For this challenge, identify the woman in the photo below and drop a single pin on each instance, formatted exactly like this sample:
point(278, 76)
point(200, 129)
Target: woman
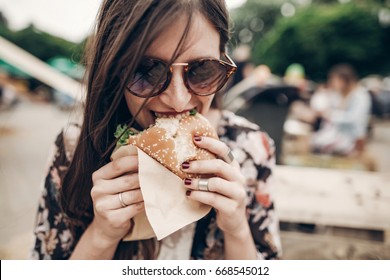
point(148, 57)
point(344, 124)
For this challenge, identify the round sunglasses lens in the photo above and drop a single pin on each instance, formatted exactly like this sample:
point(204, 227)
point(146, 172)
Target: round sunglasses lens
point(206, 77)
point(149, 76)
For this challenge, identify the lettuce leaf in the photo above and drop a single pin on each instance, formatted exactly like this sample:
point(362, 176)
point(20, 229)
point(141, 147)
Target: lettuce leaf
point(123, 132)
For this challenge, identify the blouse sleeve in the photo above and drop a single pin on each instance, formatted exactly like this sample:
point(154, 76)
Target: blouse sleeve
point(262, 218)
point(53, 238)
point(254, 150)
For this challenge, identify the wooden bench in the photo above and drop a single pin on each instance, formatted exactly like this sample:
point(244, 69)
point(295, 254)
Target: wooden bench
point(343, 198)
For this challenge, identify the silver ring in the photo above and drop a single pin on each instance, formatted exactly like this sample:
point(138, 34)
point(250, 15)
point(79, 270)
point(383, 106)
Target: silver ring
point(203, 185)
point(121, 200)
point(229, 157)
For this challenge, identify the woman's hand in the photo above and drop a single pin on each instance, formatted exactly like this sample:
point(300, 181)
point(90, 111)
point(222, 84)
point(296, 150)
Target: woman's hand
point(226, 192)
point(112, 220)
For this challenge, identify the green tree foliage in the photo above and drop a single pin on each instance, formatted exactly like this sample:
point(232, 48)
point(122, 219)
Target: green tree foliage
point(41, 44)
point(253, 20)
point(3, 20)
point(320, 36)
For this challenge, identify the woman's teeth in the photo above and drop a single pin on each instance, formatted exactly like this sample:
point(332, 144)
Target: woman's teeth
point(176, 116)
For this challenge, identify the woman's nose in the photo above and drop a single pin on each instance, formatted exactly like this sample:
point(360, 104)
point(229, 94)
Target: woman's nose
point(177, 95)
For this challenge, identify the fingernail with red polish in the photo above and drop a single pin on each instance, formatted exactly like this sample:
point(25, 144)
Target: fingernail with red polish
point(188, 192)
point(185, 165)
point(187, 181)
point(198, 138)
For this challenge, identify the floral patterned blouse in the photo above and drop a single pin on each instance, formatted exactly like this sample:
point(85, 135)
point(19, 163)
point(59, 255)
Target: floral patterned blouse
point(254, 151)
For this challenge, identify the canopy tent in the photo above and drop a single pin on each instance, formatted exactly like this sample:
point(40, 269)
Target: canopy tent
point(12, 70)
point(40, 70)
point(67, 67)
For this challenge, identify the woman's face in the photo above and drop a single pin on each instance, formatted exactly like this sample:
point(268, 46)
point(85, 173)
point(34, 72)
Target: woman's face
point(202, 42)
point(336, 83)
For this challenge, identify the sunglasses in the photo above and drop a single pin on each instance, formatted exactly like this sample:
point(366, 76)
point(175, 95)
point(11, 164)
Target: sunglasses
point(201, 77)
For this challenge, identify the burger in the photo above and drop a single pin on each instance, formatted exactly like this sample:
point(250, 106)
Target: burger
point(170, 140)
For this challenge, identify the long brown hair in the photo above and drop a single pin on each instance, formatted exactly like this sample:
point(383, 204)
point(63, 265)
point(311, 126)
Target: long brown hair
point(125, 29)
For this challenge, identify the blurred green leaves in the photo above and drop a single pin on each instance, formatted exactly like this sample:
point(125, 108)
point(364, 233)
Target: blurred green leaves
point(256, 18)
point(41, 44)
point(320, 35)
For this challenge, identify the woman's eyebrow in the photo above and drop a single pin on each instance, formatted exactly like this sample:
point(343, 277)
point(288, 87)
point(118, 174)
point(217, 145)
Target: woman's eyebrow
point(201, 57)
point(156, 58)
point(195, 58)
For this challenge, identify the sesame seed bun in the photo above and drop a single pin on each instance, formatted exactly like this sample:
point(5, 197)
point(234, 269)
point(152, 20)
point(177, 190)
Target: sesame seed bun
point(170, 141)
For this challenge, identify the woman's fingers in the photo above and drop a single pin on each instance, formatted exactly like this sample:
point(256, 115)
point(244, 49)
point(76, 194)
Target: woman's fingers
point(110, 202)
point(218, 185)
point(127, 212)
point(116, 196)
point(224, 190)
point(223, 204)
point(116, 168)
point(220, 149)
point(121, 184)
point(130, 197)
point(228, 198)
point(214, 166)
point(121, 217)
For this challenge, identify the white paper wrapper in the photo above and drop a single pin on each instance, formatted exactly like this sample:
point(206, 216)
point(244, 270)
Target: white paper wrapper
point(167, 207)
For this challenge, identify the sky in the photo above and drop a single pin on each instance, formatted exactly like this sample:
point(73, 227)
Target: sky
point(70, 19)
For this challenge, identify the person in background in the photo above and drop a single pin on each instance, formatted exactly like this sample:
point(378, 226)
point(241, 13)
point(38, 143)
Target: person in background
point(295, 76)
point(150, 57)
point(245, 67)
point(8, 94)
point(344, 124)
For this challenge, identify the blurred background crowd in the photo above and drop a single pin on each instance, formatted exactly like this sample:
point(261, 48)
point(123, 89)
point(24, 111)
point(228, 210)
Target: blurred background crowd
point(314, 74)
